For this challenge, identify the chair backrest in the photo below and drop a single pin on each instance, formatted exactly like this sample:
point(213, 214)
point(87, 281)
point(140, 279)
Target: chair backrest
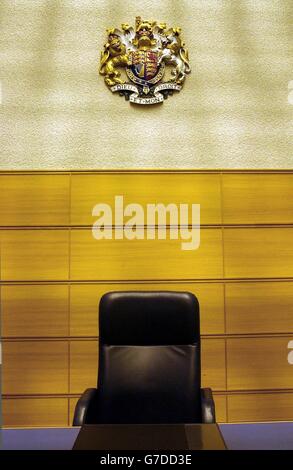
point(149, 358)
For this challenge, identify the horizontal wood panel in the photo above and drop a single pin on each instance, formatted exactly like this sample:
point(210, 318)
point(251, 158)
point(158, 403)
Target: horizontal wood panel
point(260, 307)
point(258, 364)
point(257, 199)
point(34, 199)
point(84, 302)
point(34, 255)
point(213, 364)
point(72, 405)
point(35, 310)
point(258, 252)
point(221, 408)
point(83, 365)
point(144, 259)
point(43, 411)
point(260, 407)
point(35, 412)
point(220, 405)
point(89, 190)
point(32, 367)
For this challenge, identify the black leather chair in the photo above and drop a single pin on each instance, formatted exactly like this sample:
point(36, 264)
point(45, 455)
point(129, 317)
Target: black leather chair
point(149, 362)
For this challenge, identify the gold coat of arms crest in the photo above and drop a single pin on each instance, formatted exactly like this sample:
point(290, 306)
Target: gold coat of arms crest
point(143, 54)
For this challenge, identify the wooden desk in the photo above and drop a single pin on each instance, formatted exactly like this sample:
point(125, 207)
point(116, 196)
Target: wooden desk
point(150, 437)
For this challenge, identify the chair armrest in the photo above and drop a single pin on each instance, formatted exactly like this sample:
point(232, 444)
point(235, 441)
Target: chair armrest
point(82, 406)
point(208, 412)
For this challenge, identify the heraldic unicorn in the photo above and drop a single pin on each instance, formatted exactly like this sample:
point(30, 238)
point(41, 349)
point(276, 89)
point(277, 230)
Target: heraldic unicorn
point(144, 53)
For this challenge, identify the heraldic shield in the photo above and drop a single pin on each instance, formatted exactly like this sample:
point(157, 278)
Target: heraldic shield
point(144, 53)
point(144, 64)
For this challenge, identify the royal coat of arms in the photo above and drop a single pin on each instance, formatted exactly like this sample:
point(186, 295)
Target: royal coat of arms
point(144, 54)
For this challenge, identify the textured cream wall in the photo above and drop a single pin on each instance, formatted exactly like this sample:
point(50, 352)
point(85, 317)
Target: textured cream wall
point(233, 112)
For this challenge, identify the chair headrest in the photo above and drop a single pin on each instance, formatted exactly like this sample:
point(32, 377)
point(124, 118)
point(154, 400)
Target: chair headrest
point(149, 318)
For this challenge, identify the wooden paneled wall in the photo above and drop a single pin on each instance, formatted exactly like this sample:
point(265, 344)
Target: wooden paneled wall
point(53, 273)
